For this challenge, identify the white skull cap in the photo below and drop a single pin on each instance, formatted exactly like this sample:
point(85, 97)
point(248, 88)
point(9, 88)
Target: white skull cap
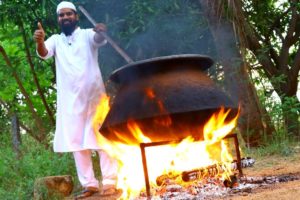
point(65, 4)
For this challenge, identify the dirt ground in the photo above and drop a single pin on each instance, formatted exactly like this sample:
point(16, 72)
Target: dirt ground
point(274, 166)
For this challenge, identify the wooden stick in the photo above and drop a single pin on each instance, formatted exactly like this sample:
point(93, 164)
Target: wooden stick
point(207, 171)
point(109, 40)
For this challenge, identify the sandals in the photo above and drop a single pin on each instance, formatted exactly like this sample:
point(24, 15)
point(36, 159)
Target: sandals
point(109, 190)
point(87, 192)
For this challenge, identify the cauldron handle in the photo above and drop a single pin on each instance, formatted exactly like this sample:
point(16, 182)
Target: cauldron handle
point(109, 40)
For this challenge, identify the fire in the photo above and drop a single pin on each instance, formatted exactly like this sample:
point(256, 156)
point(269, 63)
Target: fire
point(101, 112)
point(166, 159)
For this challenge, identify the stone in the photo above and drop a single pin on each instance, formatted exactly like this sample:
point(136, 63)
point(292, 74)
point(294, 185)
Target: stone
point(53, 187)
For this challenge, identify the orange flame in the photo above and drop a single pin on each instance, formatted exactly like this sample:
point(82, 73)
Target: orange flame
point(173, 158)
point(101, 112)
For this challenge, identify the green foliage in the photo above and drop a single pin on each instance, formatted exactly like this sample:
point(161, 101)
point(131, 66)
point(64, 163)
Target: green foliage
point(263, 12)
point(45, 194)
point(18, 175)
point(278, 107)
point(274, 30)
point(4, 120)
point(18, 22)
point(29, 11)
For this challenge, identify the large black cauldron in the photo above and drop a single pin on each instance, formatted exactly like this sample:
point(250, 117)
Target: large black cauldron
point(169, 97)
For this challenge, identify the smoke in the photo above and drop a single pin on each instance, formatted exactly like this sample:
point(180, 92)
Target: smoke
point(148, 29)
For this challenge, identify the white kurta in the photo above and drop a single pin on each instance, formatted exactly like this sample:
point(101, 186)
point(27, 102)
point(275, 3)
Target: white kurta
point(79, 87)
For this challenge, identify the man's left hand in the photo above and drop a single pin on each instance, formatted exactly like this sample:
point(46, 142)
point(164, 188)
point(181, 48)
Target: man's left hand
point(100, 28)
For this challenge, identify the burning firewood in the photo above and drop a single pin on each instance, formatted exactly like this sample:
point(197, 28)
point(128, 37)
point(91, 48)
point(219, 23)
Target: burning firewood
point(209, 171)
point(231, 182)
point(214, 170)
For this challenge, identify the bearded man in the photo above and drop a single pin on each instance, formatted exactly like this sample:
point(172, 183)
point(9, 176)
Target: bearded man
point(79, 88)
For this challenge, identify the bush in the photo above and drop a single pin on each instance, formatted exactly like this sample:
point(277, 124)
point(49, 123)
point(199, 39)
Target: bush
point(18, 175)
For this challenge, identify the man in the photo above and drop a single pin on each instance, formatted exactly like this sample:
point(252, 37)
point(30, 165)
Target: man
point(79, 88)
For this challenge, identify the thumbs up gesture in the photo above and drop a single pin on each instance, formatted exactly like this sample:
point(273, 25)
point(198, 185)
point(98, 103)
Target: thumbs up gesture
point(39, 34)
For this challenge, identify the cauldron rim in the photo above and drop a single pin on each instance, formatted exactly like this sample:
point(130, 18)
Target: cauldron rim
point(202, 61)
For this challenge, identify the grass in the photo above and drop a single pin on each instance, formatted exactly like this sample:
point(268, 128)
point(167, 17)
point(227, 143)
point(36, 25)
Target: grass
point(275, 146)
point(18, 175)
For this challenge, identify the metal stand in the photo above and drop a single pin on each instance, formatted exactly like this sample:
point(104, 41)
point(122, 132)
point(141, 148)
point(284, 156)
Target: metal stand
point(144, 159)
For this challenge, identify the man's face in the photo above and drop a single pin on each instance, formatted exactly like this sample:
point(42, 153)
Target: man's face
point(67, 20)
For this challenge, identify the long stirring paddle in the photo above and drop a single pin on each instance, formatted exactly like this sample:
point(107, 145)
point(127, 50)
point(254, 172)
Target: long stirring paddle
point(109, 40)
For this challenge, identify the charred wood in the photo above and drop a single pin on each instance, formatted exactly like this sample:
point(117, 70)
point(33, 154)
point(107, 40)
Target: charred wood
point(208, 171)
point(268, 179)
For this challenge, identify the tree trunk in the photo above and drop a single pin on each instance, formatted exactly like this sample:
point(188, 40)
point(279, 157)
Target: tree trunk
point(16, 136)
point(237, 81)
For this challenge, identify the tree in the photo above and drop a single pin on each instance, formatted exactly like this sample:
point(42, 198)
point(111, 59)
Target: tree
point(252, 124)
point(32, 102)
point(270, 32)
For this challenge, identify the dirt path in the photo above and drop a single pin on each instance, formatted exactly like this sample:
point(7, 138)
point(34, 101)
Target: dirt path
point(274, 166)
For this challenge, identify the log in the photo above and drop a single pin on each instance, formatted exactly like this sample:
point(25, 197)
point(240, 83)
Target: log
point(208, 171)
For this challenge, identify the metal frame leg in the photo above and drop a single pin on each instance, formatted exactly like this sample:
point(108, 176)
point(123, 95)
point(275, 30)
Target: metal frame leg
point(237, 150)
point(145, 168)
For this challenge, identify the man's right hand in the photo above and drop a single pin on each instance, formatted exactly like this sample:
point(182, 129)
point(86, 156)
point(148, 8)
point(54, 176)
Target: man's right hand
point(39, 34)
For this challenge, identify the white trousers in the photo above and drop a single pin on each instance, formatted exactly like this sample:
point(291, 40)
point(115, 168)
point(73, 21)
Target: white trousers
point(85, 171)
